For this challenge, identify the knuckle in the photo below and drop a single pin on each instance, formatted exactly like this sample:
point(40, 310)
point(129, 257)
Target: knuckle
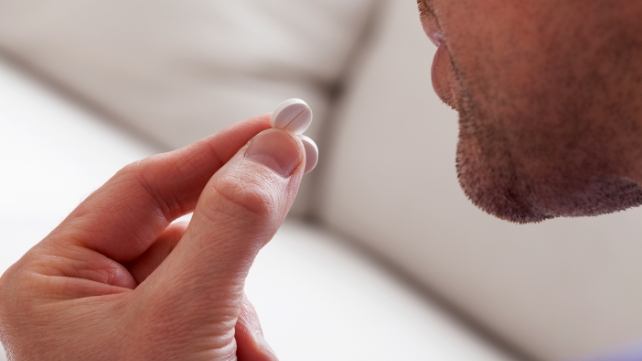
point(250, 197)
point(133, 169)
point(140, 174)
point(3, 298)
point(5, 295)
point(139, 169)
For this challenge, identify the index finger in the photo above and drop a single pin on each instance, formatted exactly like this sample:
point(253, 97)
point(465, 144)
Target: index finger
point(124, 217)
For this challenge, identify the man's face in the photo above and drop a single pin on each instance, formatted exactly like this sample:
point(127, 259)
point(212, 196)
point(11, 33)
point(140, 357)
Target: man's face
point(550, 102)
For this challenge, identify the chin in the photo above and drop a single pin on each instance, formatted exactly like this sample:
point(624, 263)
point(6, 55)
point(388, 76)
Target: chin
point(498, 191)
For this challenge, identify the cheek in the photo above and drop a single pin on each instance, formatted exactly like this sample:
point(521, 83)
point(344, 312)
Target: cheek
point(495, 44)
point(503, 61)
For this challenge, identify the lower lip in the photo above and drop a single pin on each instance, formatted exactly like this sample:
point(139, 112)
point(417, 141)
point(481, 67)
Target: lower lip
point(442, 72)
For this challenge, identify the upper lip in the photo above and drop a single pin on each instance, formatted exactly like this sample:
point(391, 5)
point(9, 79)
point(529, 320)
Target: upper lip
point(431, 26)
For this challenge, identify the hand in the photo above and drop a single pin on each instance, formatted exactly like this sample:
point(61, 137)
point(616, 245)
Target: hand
point(118, 281)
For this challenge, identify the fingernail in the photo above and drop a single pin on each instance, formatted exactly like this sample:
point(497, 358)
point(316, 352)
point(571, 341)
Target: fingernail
point(311, 153)
point(277, 150)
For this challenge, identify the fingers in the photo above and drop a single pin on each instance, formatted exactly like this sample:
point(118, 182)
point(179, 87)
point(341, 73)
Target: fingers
point(240, 209)
point(144, 265)
point(124, 217)
point(251, 344)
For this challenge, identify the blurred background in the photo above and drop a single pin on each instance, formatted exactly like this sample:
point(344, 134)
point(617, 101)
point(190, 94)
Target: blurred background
point(383, 257)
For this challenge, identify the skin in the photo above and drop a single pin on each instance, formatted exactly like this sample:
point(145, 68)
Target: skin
point(118, 281)
point(550, 101)
point(549, 94)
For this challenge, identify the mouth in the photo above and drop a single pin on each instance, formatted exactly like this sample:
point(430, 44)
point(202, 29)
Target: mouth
point(443, 77)
point(442, 69)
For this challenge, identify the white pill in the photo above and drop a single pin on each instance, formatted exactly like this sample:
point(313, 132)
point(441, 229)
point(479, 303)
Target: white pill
point(293, 115)
point(311, 153)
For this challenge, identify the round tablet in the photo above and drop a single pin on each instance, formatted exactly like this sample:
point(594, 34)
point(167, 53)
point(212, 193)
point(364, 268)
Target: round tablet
point(311, 153)
point(293, 115)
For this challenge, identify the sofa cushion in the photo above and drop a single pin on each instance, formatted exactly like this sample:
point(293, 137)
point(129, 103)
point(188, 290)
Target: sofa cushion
point(559, 290)
point(179, 70)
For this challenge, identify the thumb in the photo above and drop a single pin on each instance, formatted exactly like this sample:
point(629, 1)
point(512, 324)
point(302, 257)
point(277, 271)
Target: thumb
point(199, 288)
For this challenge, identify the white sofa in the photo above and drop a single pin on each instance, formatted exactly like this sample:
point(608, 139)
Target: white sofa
point(384, 248)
